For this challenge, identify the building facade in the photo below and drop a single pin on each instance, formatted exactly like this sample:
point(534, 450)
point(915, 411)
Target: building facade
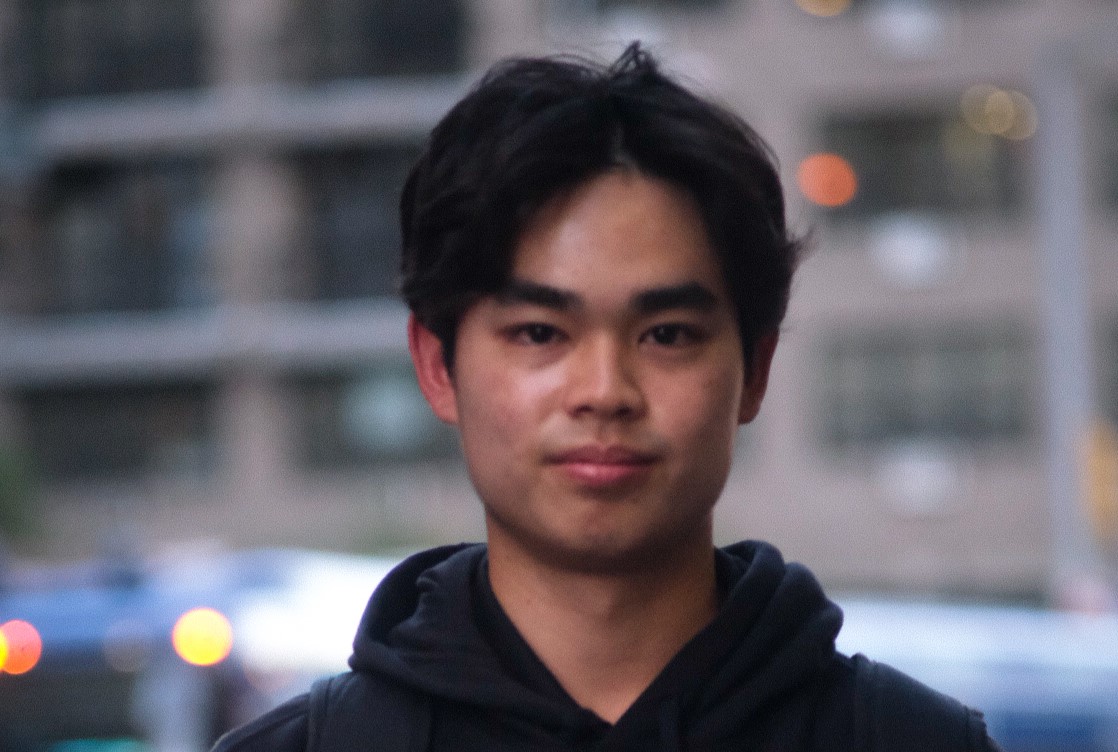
point(199, 337)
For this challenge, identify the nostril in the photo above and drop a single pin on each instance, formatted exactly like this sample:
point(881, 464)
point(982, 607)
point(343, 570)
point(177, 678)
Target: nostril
point(625, 403)
point(602, 381)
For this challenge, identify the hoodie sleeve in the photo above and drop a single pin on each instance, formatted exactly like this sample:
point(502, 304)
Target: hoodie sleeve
point(895, 712)
point(981, 741)
point(283, 729)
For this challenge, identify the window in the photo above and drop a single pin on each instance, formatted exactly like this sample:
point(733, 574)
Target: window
point(1109, 147)
point(925, 163)
point(941, 385)
point(91, 47)
point(631, 16)
point(96, 698)
point(363, 416)
point(931, 5)
point(657, 4)
point(123, 236)
point(351, 235)
point(1107, 358)
point(361, 38)
point(116, 431)
point(17, 257)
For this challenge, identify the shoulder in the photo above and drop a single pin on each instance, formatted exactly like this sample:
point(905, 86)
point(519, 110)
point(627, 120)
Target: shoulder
point(893, 711)
point(283, 729)
point(351, 710)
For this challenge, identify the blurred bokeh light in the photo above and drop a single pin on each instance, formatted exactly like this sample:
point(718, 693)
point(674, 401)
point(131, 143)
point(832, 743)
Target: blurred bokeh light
point(824, 8)
point(1001, 112)
point(202, 637)
point(827, 180)
point(24, 644)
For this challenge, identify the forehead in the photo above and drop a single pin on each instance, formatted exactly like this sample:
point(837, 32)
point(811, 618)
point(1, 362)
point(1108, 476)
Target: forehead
point(620, 231)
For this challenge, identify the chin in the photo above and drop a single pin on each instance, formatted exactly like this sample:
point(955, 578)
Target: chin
point(606, 553)
point(603, 560)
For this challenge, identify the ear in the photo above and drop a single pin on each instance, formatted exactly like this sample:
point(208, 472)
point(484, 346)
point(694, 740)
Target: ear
point(435, 380)
point(757, 377)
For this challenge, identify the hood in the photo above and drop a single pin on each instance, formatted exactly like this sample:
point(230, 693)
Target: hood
point(774, 634)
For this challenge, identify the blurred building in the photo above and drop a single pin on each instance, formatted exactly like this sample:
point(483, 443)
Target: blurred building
point(198, 333)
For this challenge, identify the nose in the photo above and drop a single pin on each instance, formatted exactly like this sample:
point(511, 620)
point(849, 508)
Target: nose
point(602, 381)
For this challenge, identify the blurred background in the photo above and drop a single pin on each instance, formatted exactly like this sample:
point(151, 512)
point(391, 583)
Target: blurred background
point(201, 351)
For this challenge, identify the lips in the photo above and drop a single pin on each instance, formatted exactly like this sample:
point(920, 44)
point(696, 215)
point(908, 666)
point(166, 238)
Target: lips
point(603, 466)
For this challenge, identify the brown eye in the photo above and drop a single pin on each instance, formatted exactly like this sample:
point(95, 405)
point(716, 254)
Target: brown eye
point(537, 334)
point(666, 334)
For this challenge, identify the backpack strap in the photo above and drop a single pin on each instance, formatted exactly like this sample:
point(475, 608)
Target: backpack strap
point(896, 713)
point(360, 711)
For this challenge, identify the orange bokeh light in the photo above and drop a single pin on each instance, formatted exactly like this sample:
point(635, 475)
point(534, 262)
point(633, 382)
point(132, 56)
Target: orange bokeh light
point(202, 636)
point(827, 180)
point(24, 644)
point(824, 8)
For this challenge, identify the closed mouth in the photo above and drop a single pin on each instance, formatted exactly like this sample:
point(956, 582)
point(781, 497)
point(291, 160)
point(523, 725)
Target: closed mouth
point(603, 455)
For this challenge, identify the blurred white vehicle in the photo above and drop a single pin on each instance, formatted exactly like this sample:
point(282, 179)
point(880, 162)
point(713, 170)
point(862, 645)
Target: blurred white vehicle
point(1046, 680)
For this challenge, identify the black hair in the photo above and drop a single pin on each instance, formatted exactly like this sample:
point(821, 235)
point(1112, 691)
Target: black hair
point(535, 128)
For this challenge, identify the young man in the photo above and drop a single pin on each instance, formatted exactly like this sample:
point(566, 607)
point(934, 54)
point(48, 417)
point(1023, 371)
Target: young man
point(597, 265)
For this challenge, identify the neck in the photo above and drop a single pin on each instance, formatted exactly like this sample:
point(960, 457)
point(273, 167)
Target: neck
point(605, 636)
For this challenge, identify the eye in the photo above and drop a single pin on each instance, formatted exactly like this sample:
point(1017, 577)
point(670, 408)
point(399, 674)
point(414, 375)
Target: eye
point(668, 335)
point(535, 334)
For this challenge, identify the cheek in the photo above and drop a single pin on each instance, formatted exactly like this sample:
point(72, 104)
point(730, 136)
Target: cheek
point(706, 411)
point(702, 427)
point(715, 430)
point(501, 411)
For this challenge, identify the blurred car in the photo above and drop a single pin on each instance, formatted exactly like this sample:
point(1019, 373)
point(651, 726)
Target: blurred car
point(168, 654)
point(1046, 680)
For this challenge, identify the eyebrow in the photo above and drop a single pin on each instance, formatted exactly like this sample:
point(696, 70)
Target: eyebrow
point(519, 291)
point(688, 296)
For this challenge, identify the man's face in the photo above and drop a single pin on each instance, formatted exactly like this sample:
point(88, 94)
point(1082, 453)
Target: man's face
point(598, 397)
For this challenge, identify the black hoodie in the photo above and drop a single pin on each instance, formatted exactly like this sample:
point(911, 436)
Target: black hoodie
point(763, 675)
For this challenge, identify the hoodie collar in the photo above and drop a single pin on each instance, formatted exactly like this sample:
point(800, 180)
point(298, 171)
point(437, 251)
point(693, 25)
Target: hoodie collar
point(427, 627)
